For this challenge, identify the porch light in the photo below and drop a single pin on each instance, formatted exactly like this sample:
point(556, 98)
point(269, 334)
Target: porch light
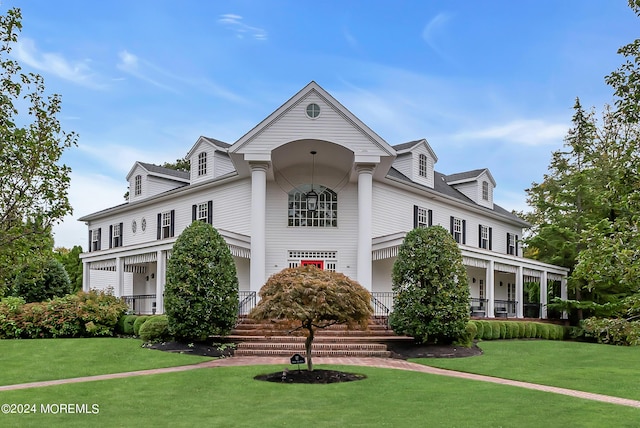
point(311, 196)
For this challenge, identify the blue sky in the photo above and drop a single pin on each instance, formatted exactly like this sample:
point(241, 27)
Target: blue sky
point(487, 83)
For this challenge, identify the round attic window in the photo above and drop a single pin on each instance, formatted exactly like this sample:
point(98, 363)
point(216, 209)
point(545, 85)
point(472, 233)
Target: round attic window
point(313, 110)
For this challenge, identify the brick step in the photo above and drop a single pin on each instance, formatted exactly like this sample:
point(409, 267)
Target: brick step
point(341, 327)
point(318, 339)
point(335, 333)
point(299, 346)
point(314, 353)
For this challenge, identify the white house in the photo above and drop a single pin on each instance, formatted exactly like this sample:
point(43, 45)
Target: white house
point(312, 183)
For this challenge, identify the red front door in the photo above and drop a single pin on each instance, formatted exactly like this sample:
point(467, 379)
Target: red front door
point(317, 263)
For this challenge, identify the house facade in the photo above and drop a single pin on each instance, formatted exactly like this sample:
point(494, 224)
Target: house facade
point(312, 184)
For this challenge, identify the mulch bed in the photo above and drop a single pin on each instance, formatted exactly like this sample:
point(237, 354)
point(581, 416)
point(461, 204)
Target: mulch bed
point(318, 376)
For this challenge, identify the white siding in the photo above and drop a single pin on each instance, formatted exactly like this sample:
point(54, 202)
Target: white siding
point(470, 190)
point(421, 149)
point(157, 185)
point(281, 238)
point(404, 164)
point(210, 151)
point(138, 170)
point(222, 164)
point(330, 125)
point(485, 203)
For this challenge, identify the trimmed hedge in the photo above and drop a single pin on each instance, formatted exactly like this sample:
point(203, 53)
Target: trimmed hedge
point(155, 329)
point(138, 323)
point(493, 330)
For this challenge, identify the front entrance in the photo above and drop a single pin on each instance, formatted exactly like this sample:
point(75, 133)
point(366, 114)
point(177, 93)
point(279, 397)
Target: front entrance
point(317, 263)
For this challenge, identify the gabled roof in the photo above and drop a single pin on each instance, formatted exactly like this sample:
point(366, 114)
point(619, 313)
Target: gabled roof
point(160, 171)
point(409, 146)
point(467, 176)
point(219, 145)
point(443, 188)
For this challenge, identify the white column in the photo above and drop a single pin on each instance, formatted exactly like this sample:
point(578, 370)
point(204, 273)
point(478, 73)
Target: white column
point(365, 218)
point(86, 276)
point(490, 279)
point(258, 224)
point(119, 291)
point(519, 293)
point(543, 294)
point(161, 275)
point(564, 294)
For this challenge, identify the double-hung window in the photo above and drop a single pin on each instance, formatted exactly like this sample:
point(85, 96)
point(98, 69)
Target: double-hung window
point(457, 229)
point(116, 235)
point(423, 165)
point(202, 164)
point(422, 217)
point(95, 239)
point(512, 244)
point(137, 185)
point(202, 212)
point(484, 237)
point(485, 191)
point(166, 222)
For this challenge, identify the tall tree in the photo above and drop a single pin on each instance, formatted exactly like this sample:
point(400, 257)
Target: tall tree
point(34, 185)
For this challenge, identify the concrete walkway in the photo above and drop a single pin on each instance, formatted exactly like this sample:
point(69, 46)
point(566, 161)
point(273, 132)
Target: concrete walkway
point(387, 363)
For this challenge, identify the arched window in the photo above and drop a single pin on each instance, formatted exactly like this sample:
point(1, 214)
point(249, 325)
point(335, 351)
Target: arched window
point(423, 165)
point(326, 215)
point(485, 190)
point(138, 185)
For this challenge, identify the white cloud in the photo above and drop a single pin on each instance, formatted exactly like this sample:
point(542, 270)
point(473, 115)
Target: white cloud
point(435, 31)
point(531, 132)
point(78, 72)
point(143, 70)
point(241, 29)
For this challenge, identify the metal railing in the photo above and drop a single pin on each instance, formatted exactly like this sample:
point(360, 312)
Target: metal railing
point(141, 303)
point(247, 301)
point(531, 310)
point(382, 302)
point(477, 307)
point(505, 308)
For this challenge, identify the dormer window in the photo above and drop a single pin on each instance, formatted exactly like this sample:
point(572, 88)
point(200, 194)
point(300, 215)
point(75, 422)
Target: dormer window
point(485, 190)
point(137, 185)
point(423, 165)
point(202, 164)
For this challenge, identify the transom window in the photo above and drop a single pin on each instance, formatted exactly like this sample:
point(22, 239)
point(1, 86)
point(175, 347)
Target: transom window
point(422, 165)
point(326, 214)
point(166, 224)
point(202, 164)
point(326, 260)
point(138, 185)
point(485, 190)
point(203, 212)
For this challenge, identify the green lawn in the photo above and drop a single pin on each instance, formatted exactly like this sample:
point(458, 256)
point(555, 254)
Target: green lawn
point(603, 369)
point(24, 361)
point(229, 397)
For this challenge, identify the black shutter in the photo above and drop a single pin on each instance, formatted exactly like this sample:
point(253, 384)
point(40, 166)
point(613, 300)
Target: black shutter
point(479, 236)
point(99, 238)
point(430, 212)
point(111, 236)
point(173, 223)
point(515, 244)
point(210, 212)
point(508, 237)
point(121, 234)
point(194, 209)
point(415, 216)
point(490, 237)
point(451, 225)
point(464, 232)
point(90, 236)
point(159, 225)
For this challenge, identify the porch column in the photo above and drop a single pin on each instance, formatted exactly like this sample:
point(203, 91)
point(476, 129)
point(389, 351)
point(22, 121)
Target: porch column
point(161, 275)
point(258, 224)
point(86, 276)
point(519, 293)
point(119, 276)
point(564, 295)
point(365, 202)
point(490, 279)
point(543, 294)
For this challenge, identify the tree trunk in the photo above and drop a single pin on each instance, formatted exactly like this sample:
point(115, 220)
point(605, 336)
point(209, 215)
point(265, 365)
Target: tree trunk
point(307, 345)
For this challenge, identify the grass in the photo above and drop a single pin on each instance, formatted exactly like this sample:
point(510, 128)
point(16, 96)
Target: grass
point(24, 361)
point(230, 397)
point(603, 369)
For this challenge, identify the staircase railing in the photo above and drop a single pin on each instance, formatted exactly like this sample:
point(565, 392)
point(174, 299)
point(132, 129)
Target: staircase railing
point(247, 302)
point(382, 302)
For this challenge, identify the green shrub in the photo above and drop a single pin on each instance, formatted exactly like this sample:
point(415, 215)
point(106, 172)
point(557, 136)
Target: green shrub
point(543, 331)
point(10, 308)
point(495, 328)
point(201, 293)
point(513, 330)
point(613, 331)
point(487, 331)
point(471, 332)
point(530, 330)
point(127, 327)
point(40, 283)
point(155, 329)
point(138, 323)
point(479, 329)
point(522, 329)
point(431, 301)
